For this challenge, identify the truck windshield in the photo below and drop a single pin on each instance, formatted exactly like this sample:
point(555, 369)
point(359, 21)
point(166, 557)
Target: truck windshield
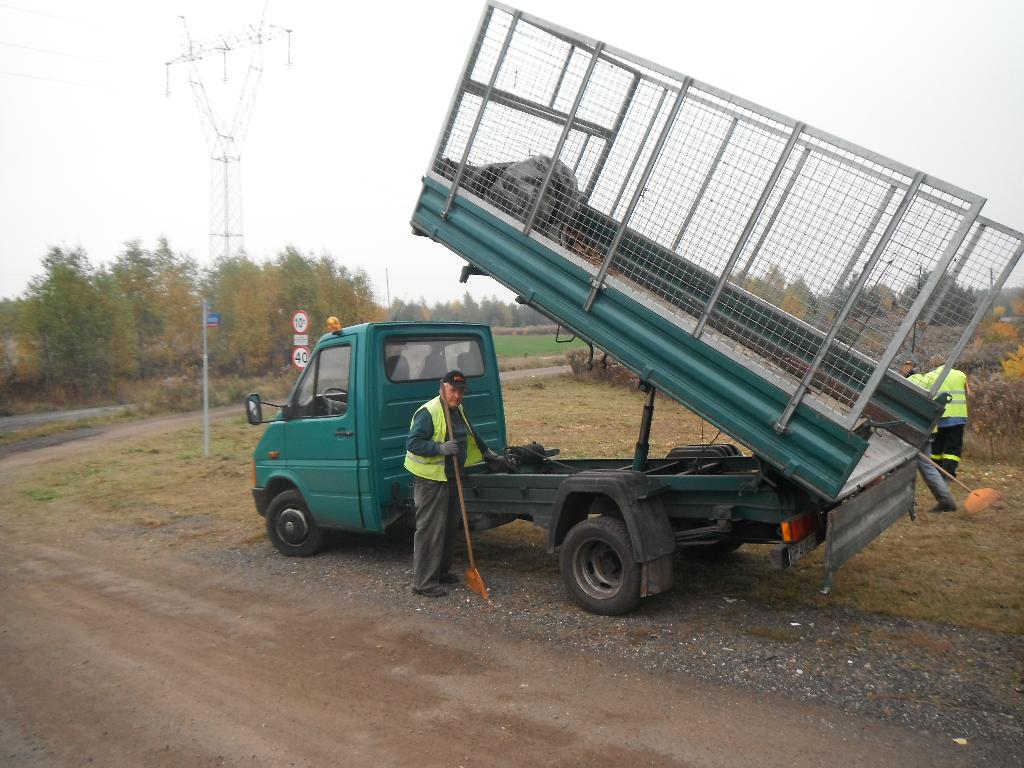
point(420, 358)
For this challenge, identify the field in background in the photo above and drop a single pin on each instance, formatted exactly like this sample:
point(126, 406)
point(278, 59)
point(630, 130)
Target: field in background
point(521, 345)
point(959, 569)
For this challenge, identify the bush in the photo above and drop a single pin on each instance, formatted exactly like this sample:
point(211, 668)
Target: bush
point(996, 412)
point(603, 368)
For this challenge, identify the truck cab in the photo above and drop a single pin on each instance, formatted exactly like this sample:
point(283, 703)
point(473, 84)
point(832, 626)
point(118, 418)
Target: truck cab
point(333, 457)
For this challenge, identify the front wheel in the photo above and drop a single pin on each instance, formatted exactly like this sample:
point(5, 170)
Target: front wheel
point(292, 530)
point(598, 567)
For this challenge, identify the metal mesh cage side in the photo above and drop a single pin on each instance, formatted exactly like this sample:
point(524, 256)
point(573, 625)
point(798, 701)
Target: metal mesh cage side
point(800, 254)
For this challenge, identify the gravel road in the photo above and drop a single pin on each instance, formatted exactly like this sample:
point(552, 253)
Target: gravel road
point(143, 645)
point(937, 681)
point(21, 421)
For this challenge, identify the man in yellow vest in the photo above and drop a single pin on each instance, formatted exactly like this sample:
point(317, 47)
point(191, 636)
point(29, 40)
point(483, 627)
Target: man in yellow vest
point(948, 440)
point(948, 437)
point(430, 457)
point(933, 479)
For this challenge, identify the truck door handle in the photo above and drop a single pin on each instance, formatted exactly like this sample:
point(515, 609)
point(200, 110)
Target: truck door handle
point(343, 433)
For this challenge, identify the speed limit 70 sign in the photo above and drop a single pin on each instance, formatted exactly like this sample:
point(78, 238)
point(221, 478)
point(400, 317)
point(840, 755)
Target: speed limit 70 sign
point(300, 321)
point(300, 357)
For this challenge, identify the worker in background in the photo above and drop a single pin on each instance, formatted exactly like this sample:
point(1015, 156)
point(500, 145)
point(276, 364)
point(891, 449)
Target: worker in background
point(430, 457)
point(932, 477)
point(948, 439)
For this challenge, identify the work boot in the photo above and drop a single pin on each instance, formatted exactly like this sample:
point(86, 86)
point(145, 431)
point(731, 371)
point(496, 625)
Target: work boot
point(434, 591)
point(942, 507)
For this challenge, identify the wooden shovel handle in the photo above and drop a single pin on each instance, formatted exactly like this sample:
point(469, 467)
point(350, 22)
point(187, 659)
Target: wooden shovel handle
point(952, 477)
point(458, 478)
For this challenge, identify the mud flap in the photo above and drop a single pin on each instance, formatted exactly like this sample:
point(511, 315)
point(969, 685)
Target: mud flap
point(656, 575)
point(857, 522)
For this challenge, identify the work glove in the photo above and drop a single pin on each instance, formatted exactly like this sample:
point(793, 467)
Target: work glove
point(496, 463)
point(449, 448)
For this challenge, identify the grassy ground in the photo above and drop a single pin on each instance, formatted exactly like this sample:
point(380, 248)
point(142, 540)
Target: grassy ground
point(960, 569)
point(510, 345)
point(57, 427)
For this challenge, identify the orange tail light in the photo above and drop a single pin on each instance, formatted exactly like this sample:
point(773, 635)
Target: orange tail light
point(798, 528)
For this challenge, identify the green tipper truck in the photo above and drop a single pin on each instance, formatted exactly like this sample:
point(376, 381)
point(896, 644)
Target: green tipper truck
point(333, 460)
point(764, 273)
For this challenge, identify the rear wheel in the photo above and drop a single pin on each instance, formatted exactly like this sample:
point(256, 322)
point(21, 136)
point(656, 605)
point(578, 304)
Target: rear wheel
point(292, 530)
point(598, 567)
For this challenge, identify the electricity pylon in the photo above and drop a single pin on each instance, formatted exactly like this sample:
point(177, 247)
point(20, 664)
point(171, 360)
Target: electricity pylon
point(225, 128)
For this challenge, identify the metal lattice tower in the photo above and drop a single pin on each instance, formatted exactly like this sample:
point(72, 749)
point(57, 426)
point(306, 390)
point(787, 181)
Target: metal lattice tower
point(225, 125)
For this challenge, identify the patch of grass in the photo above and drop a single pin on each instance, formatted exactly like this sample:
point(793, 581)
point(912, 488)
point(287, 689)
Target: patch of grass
point(42, 494)
point(59, 427)
point(165, 395)
point(595, 419)
point(509, 345)
point(535, 361)
point(954, 568)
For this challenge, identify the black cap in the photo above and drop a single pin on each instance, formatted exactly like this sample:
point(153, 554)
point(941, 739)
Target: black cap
point(455, 378)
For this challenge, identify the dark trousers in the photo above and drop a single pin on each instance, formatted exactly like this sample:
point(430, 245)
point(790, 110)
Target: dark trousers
point(947, 446)
point(437, 526)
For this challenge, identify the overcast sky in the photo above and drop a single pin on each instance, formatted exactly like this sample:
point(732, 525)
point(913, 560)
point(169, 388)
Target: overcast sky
point(93, 154)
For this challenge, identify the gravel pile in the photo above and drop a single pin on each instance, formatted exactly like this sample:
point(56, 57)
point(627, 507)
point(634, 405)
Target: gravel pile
point(940, 680)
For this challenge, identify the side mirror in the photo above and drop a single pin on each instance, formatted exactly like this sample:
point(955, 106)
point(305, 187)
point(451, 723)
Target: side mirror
point(254, 409)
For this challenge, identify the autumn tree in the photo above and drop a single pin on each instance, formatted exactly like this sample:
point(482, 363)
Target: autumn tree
point(64, 330)
point(256, 302)
point(155, 317)
point(1013, 365)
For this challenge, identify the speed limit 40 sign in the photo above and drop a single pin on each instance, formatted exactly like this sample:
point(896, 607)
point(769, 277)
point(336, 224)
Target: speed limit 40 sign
point(300, 357)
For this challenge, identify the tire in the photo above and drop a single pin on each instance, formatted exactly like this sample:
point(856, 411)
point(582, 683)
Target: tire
point(598, 567)
point(292, 530)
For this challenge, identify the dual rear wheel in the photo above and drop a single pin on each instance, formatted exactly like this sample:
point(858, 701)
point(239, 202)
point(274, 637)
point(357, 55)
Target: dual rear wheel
point(598, 566)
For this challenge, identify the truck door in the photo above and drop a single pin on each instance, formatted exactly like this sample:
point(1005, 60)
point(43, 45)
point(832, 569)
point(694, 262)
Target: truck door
point(322, 443)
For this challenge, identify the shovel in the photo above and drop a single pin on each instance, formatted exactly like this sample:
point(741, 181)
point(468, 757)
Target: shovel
point(978, 500)
point(473, 578)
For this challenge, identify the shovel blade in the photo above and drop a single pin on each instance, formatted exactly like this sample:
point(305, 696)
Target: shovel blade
point(476, 583)
point(981, 499)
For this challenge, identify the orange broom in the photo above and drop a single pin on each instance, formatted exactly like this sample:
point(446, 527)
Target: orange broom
point(977, 500)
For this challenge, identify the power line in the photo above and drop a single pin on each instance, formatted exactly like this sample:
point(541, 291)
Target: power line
point(41, 13)
point(55, 53)
point(53, 80)
point(225, 132)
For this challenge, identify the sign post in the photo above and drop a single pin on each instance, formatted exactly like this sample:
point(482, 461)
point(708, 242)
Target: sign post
point(210, 320)
point(300, 341)
point(206, 384)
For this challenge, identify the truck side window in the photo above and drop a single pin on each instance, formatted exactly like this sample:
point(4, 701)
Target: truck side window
point(324, 388)
point(422, 359)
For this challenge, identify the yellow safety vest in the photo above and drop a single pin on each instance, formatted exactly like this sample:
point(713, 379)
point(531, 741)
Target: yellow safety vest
point(432, 467)
point(955, 384)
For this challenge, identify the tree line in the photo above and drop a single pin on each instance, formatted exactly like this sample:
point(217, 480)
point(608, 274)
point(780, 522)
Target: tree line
point(489, 311)
point(81, 329)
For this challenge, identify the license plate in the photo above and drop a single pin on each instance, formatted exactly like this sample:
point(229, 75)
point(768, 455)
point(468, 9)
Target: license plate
point(801, 549)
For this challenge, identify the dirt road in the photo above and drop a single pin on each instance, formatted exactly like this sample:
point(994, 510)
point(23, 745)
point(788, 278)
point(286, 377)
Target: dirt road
point(130, 652)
